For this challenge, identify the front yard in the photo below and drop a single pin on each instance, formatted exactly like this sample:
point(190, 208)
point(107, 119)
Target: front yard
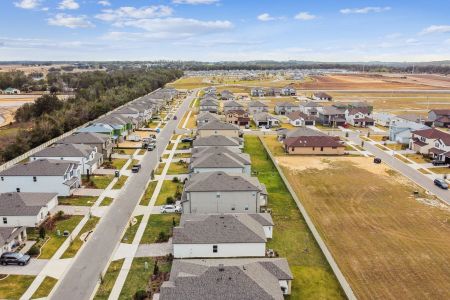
point(115, 163)
point(97, 181)
point(159, 228)
point(179, 167)
point(14, 286)
point(77, 200)
point(169, 189)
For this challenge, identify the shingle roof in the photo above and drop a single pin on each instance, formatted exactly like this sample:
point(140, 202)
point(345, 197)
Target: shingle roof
point(216, 140)
point(311, 104)
point(256, 104)
point(286, 104)
point(303, 131)
point(218, 229)
point(433, 133)
point(7, 234)
point(23, 204)
point(84, 138)
point(219, 157)
point(262, 117)
point(208, 102)
point(226, 279)
point(220, 181)
point(312, 141)
point(441, 112)
point(364, 110)
point(65, 150)
point(232, 103)
point(331, 110)
point(299, 115)
point(206, 115)
point(217, 125)
point(40, 167)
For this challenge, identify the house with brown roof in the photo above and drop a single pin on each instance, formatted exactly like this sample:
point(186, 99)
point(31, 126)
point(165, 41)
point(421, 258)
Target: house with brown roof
point(313, 145)
point(298, 119)
point(322, 96)
point(439, 117)
point(432, 142)
point(238, 117)
point(332, 116)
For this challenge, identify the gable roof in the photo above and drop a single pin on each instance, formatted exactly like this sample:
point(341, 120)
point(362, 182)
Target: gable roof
point(40, 167)
point(303, 131)
point(262, 117)
point(84, 138)
point(312, 141)
point(286, 104)
point(299, 115)
point(221, 181)
point(331, 110)
point(322, 95)
point(219, 157)
point(216, 140)
point(354, 111)
point(7, 234)
point(441, 112)
point(217, 125)
point(256, 104)
point(232, 103)
point(206, 115)
point(310, 104)
point(208, 102)
point(433, 133)
point(65, 150)
point(24, 204)
point(215, 228)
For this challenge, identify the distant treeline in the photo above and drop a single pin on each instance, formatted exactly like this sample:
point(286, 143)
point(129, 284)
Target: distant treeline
point(21, 81)
point(96, 93)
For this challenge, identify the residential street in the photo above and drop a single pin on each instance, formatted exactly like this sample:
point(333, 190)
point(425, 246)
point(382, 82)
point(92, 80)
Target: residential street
point(80, 280)
point(403, 168)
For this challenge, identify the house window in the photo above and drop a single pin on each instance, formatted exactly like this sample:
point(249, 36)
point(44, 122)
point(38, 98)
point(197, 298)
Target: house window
point(321, 148)
point(34, 179)
point(215, 248)
point(246, 207)
point(18, 190)
point(218, 195)
point(233, 208)
point(3, 179)
point(5, 220)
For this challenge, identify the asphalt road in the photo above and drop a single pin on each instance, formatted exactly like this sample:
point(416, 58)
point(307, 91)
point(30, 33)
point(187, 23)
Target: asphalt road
point(404, 169)
point(80, 280)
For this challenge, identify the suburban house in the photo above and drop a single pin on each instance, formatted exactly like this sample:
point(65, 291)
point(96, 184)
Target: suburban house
point(288, 91)
point(331, 116)
point(237, 117)
point(232, 143)
point(232, 105)
point(400, 130)
point(42, 176)
point(298, 118)
point(86, 155)
point(11, 91)
point(257, 92)
point(133, 115)
point(226, 95)
point(102, 142)
point(26, 209)
point(265, 120)
point(11, 238)
point(225, 279)
point(209, 105)
point(408, 118)
point(313, 145)
point(218, 128)
point(274, 92)
point(211, 159)
point(432, 142)
point(257, 107)
point(310, 108)
point(359, 117)
point(321, 96)
point(383, 118)
point(219, 192)
point(298, 132)
point(439, 117)
point(100, 128)
point(284, 108)
point(219, 235)
point(120, 126)
point(205, 117)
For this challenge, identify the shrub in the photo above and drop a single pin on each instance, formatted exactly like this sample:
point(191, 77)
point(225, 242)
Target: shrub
point(59, 215)
point(140, 295)
point(170, 200)
point(33, 251)
point(42, 232)
point(162, 237)
point(175, 179)
point(156, 268)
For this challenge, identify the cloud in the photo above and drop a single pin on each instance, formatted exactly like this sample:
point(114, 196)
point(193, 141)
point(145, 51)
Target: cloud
point(365, 10)
point(68, 4)
point(265, 17)
point(28, 4)
point(129, 13)
point(65, 20)
point(104, 3)
point(195, 2)
point(435, 29)
point(304, 16)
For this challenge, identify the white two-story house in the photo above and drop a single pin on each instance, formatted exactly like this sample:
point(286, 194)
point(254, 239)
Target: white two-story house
point(432, 142)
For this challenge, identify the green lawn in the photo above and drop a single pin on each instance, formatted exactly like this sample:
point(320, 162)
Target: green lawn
point(55, 241)
point(138, 277)
point(440, 170)
point(145, 200)
point(109, 279)
point(121, 182)
point(45, 288)
point(142, 152)
point(313, 277)
point(77, 242)
point(77, 200)
point(182, 155)
point(13, 286)
point(133, 162)
point(157, 224)
point(168, 189)
point(125, 151)
point(106, 201)
point(170, 146)
point(183, 146)
point(178, 167)
point(118, 163)
point(131, 231)
point(97, 181)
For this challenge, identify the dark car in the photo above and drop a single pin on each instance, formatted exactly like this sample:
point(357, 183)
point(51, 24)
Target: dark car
point(377, 160)
point(438, 163)
point(136, 168)
point(187, 140)
point(441, 183)
point(12, 258)
point(175, 118)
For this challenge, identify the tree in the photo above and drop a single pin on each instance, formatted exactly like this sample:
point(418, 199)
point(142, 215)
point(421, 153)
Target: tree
point(42, 232)
point(156, 268)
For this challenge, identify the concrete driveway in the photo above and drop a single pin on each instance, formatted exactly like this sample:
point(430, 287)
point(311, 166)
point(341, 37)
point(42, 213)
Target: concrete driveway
point(34, 267)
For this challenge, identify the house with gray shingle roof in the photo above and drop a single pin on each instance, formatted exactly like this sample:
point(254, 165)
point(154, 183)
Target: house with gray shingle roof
point(210, 105)
point(86, 155)
point(26, 209)
point(265, 120)
point(219, 192)
point(257, 107)
point(102, 142)
point(232, 105)
point(283, 108)
point(218, 128)
point(206, 117)
point(219, 235)
point(213, 159)
point(11, 238)
point(232, 143)
point(228, 279)
point(42, 176)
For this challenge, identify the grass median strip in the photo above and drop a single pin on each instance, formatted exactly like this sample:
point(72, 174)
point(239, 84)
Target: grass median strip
point(109, 280)
point(14, 286)
point(145, 200)
point(313, 277)
point(121, 182)
point(131, 230)
point(45, 288)
point(106, 201)
point(78, 241)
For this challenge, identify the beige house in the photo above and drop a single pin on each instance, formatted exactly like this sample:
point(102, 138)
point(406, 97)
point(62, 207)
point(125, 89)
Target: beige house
point(313, 145)
point(218, 128)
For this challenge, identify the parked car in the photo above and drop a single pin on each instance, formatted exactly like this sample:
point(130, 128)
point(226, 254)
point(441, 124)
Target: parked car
point(12, 258)
point(441, 183)
point(151, 147)
point(187, 140)
point(377, 160)
point(175, 117)
point(438, 163)
point(136, 168)
point(170, 209)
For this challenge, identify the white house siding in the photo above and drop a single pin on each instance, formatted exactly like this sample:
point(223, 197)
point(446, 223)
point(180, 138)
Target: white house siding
point(43, 184)
point(208, 202)
point(81, 160)
point(268, 231)
point(223, 250)
point(27, 221)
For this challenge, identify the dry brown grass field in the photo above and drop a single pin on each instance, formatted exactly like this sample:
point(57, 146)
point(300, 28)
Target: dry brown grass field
point(388, 244)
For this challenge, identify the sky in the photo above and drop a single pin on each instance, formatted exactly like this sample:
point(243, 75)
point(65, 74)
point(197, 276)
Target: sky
point(225, 30)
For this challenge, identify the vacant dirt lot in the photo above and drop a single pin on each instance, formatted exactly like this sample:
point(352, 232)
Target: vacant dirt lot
point(388, 244)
